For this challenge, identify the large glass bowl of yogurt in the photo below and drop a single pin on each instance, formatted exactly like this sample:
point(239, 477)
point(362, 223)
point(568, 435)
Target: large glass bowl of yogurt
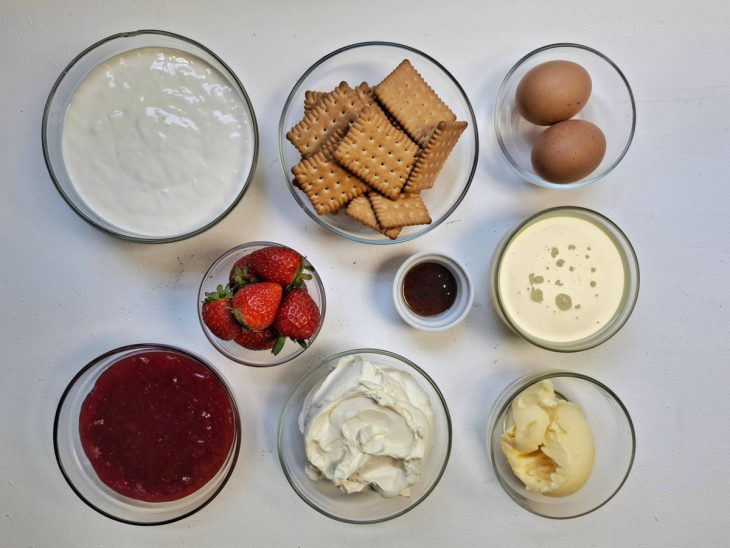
point(365, 436)
point(150, 136)
point(147, 434)
point(565, 279)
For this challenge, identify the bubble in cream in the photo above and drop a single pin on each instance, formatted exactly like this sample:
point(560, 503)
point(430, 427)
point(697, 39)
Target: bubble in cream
point(563, 301)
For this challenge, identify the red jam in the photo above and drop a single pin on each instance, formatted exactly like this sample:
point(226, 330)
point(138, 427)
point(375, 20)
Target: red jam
point(157, 426)
point(429, 289)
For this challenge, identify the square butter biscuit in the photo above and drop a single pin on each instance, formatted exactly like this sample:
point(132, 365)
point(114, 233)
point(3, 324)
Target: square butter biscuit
point(361, 210)
point(327, 185)
point(333, 112)
point(377, 152)
point(412, 102)
point(406, 210)
point(434, 155)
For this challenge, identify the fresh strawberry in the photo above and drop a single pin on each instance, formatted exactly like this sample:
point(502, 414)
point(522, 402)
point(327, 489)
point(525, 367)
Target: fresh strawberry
point(217, 314)
point(257, 340)
point(298, 316)
point(255, 305)
point(281, 265)
point(242, 273)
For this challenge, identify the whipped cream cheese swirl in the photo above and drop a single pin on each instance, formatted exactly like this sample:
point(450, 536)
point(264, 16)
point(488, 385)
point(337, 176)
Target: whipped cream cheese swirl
point(367, 425)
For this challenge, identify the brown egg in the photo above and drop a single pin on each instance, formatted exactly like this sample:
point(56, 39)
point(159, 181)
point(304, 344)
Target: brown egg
point(552, 92)
point(568, 151)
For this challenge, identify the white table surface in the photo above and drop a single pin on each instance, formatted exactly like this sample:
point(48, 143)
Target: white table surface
point(70, 292)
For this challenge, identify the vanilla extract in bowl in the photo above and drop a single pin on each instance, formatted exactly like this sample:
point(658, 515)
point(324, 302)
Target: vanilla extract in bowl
point(429, 288)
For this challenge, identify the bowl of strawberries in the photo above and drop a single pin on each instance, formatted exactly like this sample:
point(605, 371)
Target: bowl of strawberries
point(261, 304)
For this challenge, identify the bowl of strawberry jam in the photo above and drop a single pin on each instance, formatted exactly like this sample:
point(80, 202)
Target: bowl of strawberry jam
point(147, 434)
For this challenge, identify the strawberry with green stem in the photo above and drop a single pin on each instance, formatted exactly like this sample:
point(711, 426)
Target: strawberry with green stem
point(217, 314)
point(257, 340)
point(255, 305)
point(298, 318)
point(281, 265)
point(242, 273)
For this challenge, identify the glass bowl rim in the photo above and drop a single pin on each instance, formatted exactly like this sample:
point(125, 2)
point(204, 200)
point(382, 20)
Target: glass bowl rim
point(312, 214)
point(154, 346)
point(503, 147)
point(530, 379)
point(137, 239)
point(214, 342)
point(313, 372)
point(628, 307)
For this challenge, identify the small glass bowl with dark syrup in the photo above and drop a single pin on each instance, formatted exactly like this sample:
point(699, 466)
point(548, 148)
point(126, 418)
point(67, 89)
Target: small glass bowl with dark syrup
point(432, 291)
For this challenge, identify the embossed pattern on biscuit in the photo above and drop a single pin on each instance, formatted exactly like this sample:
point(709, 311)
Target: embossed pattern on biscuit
point(327, 185)
point(333, 112)
point(412, 102)
point(406, 210)
point(332, 142)
point(434, 155)
point(361, 210)
point(377, 152)
point(327, 152)
point(367, 96)
point(311, 98)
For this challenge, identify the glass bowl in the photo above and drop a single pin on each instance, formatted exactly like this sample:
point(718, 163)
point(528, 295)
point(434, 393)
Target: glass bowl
point(66, 86)
point(580, 337)
point(79, 472)
point(613, 434)
point(611, 107)
point(367, 506)
point(218, 274)
point(371, 62)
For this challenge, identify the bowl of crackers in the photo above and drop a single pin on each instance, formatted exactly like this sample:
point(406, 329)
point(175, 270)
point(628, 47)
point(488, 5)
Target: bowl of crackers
point(378, 142)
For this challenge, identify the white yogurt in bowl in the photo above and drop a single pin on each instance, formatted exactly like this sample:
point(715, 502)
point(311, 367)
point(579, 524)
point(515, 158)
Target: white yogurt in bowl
point(151, 143)
point(565, 279)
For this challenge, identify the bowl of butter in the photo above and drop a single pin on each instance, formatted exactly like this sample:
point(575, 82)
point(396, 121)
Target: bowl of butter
point(562, 444)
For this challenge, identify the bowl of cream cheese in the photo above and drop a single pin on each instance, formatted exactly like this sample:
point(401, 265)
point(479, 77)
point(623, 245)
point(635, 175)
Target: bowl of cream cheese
point(561, 444)
point(150, 136)
point(365, 436)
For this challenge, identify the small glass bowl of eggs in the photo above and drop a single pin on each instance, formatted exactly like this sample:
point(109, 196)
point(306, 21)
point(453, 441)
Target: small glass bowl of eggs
point(565, 116)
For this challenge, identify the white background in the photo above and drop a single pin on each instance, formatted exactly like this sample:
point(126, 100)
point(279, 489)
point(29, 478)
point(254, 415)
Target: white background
point(70, 292)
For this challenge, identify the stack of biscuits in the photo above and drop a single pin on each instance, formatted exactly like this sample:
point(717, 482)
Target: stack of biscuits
point(372, 150)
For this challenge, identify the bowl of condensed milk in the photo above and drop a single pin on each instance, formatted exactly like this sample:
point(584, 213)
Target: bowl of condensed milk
point(150, 136)
point(565, 279)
